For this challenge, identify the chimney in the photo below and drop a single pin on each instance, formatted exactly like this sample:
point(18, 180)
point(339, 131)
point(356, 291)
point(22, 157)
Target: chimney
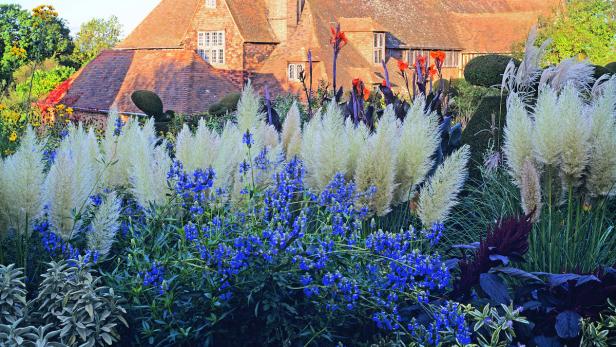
point(278, 17)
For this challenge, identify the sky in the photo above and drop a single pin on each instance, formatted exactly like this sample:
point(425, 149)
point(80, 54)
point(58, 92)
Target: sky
point(76, 12)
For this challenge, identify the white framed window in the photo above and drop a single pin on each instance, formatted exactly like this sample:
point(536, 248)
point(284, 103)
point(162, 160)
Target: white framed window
point(293, 71)
point(379, 47)
point(210, 3)
point(452, 58)
point(211, 46)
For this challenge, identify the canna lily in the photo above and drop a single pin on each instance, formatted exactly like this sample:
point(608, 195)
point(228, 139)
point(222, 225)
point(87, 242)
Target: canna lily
point(432, 71)
point(402, 66)
point(338, 40)
point(338, 37)
point(438, 56)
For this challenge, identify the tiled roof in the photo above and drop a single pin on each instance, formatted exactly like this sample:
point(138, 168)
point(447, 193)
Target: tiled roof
point(363, 24)
point(164, 27)
point(184, 81)
point(251, 20)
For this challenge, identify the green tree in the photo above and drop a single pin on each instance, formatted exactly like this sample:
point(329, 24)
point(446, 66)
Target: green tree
point(95, 36)
point(26, 37)
point(582, 28)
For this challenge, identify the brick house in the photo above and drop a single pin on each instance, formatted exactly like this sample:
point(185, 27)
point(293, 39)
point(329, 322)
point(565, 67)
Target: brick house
point(192, 52)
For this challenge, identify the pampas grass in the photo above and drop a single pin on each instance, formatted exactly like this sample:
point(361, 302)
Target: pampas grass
point(72, 179)
point(530, 190)
point(376, 165)
point(248, 107)
point(149, 173)
point(116, 152)
point(419, 139)
point(569, 71)
point(547, 136)
point(104, 225)
point(332, 148)
point(439, 196)
point(21, 184)
point(292, 132)
point(602, 157)
point(575, 130)
point(356, 137)
point(518, 147)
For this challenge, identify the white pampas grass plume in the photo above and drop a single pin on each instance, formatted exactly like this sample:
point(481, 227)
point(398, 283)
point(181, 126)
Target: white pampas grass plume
point(104, 225)
point(530, 67)
point(248, 109)
point(149, 173)
point(376, 166)
point(270, 136)
point(311, 140)
point(21, 184)
point(228, 156)
point(569, 71)
point(292, 132)
point(185, 149)
point(356, 137)
point(419, 140)
point(530, 190)
point(601, 179)
point(519, 130)
point(547, 137)
point(117, 152)
point(207, 143)
point(72, 179)
point(575, 128)
point(439, 196)
point(332, 147)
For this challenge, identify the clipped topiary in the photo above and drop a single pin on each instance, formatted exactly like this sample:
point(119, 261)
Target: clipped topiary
point(487, 70)
point(600, 71)
point(225, 105)
point(611, 66)
point(151, 104)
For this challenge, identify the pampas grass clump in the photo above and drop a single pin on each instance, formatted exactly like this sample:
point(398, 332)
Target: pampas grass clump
point(575, 129)
point(547, 136)
point(21, 184)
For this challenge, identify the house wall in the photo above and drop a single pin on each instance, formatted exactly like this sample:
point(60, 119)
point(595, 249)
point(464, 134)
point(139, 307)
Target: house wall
point(220, 19)
point(254, 56)
point(363, 42)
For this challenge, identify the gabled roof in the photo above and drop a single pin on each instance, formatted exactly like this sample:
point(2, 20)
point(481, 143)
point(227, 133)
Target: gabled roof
point(183, 80)
point(164, 27)
point(167, 25)
point(362, 24)
point(250, 18)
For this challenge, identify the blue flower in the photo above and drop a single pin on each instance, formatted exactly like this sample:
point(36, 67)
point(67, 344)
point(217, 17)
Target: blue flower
point(248, 139)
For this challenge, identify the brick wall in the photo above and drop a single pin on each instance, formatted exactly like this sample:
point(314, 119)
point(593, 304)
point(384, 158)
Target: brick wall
point(363, 42)
point(218, 19)
point(254, 56)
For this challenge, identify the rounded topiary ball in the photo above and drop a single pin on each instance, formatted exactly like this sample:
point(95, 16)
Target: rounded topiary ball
point(487, 70)
point(611, 67)
point(230, 101)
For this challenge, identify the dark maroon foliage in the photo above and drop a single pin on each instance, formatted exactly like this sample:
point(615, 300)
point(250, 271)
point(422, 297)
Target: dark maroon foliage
point(506, 241)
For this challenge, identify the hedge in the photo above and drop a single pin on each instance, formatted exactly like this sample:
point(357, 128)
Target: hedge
point(487, 70)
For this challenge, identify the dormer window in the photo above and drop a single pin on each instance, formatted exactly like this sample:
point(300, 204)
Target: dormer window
point(211, 46)
point(210, 3)
point(379, 47)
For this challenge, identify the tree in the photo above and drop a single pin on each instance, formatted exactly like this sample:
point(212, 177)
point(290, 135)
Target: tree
point(582, 28)
point(26, 37)
point(95, 36)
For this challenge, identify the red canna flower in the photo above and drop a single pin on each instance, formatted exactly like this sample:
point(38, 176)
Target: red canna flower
point(402, 65)
point(432, 71)
point(421, 60)
point(366, 94)
point(338, 37)
point(384, 83)
point(438, 55)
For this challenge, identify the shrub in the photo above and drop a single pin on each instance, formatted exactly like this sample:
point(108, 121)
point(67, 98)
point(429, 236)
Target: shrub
point(43, 82)
point(226, 105)
point(611, 67)
point(486, 70)
point(600, 71)
point(466, 99)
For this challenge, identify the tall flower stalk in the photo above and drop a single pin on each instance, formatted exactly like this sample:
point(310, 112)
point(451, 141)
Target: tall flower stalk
point(338, 41)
